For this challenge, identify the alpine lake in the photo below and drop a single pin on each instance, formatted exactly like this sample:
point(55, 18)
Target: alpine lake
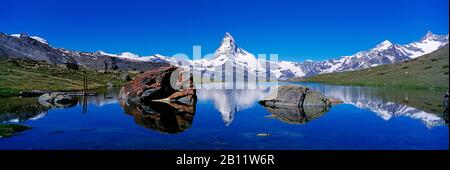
point(368, 119)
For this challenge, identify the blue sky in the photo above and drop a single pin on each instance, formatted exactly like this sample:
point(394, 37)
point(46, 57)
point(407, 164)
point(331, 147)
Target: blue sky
point(296, 30)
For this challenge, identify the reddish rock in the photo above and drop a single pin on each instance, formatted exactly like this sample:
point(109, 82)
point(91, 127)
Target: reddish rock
point(155, 85)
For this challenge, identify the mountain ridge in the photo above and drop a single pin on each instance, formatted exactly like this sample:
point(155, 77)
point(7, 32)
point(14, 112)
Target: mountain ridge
point(427, 71)
point(32, 47)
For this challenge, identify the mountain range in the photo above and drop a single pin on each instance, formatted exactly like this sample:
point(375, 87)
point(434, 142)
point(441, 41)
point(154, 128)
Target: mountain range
point(22, 46)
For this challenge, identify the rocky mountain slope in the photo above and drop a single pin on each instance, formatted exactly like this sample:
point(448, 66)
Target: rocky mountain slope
point(22, 46)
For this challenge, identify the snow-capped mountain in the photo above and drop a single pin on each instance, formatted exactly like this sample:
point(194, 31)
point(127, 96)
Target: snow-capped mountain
point(22, 46)
point(383, 53)
point(386, 52)
point(41, 40)
point(229, 54)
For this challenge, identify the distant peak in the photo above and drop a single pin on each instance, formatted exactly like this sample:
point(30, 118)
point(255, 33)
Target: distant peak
point(227, 45)
point(429, 36)
point(384, 45)
point(386, 42)
point(227, 34)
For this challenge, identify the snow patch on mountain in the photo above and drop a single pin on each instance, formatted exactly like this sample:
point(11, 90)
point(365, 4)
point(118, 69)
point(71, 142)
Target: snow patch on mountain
point(41, 40)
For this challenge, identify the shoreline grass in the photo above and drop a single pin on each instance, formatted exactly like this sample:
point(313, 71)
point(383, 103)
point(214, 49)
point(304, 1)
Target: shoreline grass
point(25, 75)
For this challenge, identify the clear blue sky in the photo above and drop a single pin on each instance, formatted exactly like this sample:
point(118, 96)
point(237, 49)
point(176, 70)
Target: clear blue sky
point(296, 30)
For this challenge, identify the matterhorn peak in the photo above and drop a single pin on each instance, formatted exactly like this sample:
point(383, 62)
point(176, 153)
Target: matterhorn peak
point(429, 36)
point(383, 45)
point(227, 45)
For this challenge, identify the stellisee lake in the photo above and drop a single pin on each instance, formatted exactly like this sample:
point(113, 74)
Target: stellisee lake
point(369, 119)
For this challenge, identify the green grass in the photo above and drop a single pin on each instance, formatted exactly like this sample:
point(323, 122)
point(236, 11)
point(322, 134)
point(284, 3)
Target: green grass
point(7, 130)
point(426, 72)
point(20, 75)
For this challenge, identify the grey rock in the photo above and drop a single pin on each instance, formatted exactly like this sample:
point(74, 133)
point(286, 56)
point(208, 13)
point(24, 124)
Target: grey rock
point(286, 96)
point(315, 98)
point(296, 104)
point(56, 99)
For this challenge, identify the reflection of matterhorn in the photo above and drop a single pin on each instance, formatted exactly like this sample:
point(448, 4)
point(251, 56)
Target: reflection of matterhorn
point(230, 101)
point(366, 98)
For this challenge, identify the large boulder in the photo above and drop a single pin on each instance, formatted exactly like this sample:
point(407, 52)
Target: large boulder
point(162, 99)
point(157, 85)
point(315, 98)
point(286, 96)
point(296, 104)
point(295, 96)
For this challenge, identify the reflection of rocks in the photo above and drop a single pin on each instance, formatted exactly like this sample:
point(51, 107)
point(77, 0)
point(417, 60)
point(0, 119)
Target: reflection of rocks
point(297, 115)
point(57, 100)
point(173, 117)
point(296, 104)
point(8, 130)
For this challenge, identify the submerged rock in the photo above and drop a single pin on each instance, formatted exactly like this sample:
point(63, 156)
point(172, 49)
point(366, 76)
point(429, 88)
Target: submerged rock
point(57, 99)
point(263, 134)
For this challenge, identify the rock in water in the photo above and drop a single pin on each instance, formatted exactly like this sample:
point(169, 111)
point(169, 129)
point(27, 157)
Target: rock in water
point(286, 96)
point(315, 98)
point(158, 104)
point(296, 104)
point(155, 85)
point(56, 99)
point(294, 96)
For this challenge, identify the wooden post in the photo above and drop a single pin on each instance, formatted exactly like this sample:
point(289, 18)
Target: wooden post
point(85, 89)
point(84, 84)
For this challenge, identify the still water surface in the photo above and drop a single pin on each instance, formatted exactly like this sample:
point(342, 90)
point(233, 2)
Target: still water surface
point(370, 118)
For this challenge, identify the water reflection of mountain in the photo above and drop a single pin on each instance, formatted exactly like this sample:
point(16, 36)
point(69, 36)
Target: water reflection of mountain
point(163, 117)
point(424, 105)
point(16, 109)
point(230, 101)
